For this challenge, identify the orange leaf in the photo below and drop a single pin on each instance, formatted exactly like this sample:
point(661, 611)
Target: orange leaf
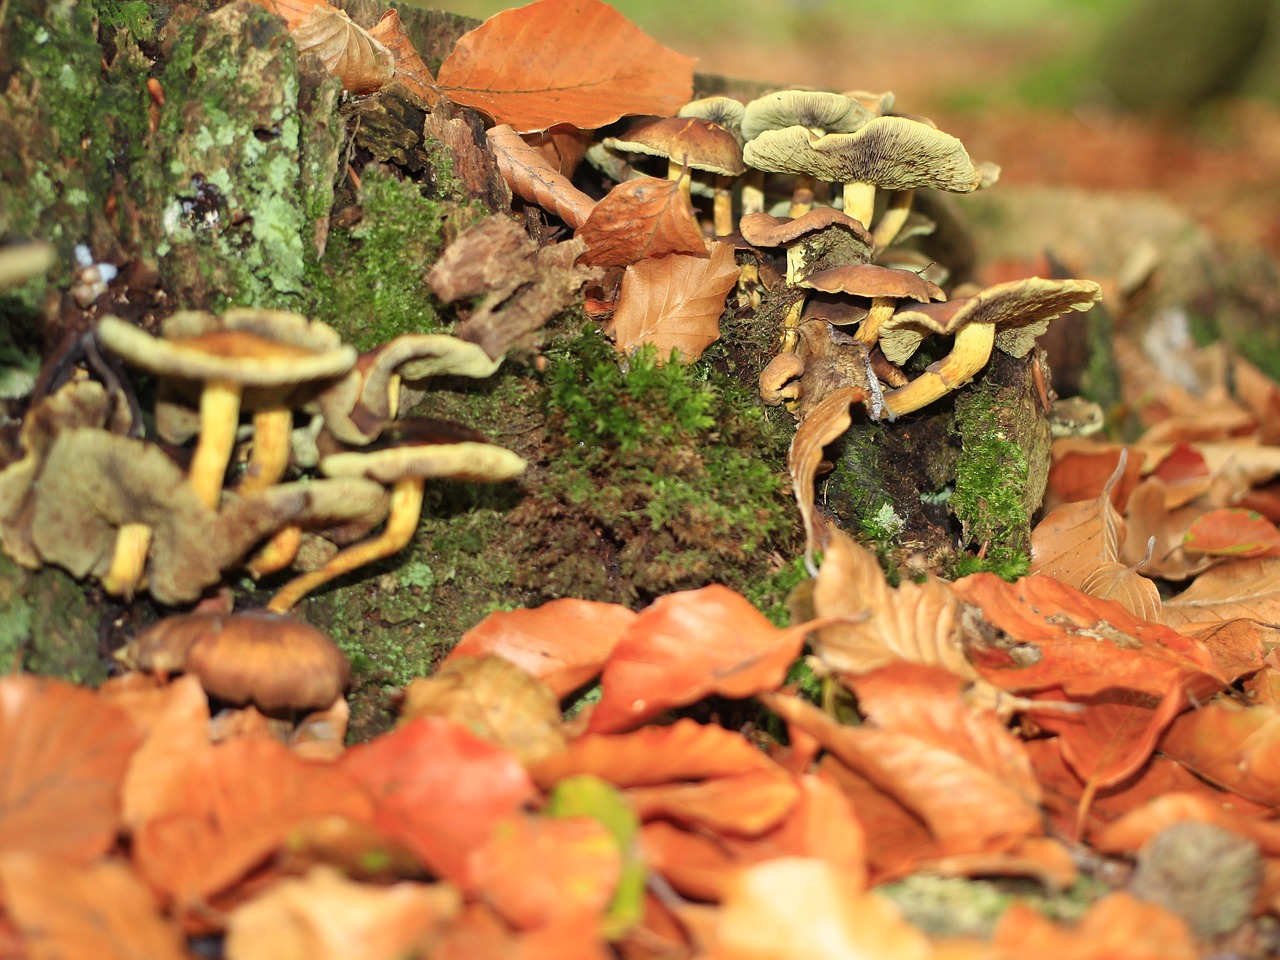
point(1232, 746)
point(539, 870)
point(1235, 589)
point(325, 916)
point(686, 645)
point(746, 805)
point(685, 750)
point(640, 219)
point(531, 177)
point(97, 912)
point(1232, 533)
point(1060, 637)
point(241, 800)
point(1118, 925)
point(564, 61)
point(1075, 539)
point(563, 643)
point(63, 756)
point(410, 70)
point(439, 788)
point(674, 303)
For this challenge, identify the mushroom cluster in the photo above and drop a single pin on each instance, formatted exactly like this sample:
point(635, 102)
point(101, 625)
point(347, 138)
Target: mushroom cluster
point(88, 494)
point(828, 181)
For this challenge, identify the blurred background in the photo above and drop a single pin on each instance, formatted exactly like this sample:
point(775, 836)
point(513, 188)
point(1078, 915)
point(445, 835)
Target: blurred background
point(1176, 97)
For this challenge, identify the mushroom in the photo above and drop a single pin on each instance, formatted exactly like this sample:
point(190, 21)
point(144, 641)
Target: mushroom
point(885, 286)
point(275, 662)
point(404, 458)
point(694, 143)
point(848, 239)
point(1008, 315)
point(268, 353)
point(780, 379)
point(897, 153)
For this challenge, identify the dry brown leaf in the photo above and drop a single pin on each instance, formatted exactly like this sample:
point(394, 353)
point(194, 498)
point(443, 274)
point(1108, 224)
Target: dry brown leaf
point(825, 423)
point(532, 178)
point(1239, 589)
point(1075, 539)
point(348, 50)
point(915, 621)
point(674, 303)
point(564, 61)
point(640, 219)
point(1158, 530)
point(1115, 581)
point(409, 68)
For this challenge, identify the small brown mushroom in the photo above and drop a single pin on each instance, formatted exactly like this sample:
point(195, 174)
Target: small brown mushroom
point(780, 379)
point(885, 286)
point(275, 662)
point(404, 458)
point(269, 353)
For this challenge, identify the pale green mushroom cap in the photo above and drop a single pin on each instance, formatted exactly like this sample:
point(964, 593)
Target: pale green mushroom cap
point(814, 110)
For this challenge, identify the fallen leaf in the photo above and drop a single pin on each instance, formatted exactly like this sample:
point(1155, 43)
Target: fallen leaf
point(325, 916)
point(100, 911)
point(440, 789)
point(674, 303)
point(689, 644)
point(63, 758)
point(1229, 532)
point(563, 643)
point(532, 178)
point(1232, 746)
point(1237, 589)
point(746, 805)
point(1118, 925)
point(348, 50)
point(564, 61)
point(409, 68)
point(638, 220)
point(824, 424)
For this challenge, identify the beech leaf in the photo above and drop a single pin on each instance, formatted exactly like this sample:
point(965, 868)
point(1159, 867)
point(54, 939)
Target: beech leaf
point(674, 303)
point(1237, 589)
point(824, 424)
point(640, 219)
point(564, 61)
point(532, 178)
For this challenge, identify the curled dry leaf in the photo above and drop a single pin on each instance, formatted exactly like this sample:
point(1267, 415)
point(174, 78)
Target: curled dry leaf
point(640, 219)
point(348, 50)
point(744, 805)
point(409, 68)
point(674, 303)
point(63, 757)
point(532, 178)
point(1236, 747)
point(516, 67)
point(825, 423)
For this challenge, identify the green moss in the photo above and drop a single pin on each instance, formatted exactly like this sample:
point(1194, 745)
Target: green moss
point(132, 16)
point(370, 284)
point(47, 625)
point(990, 484)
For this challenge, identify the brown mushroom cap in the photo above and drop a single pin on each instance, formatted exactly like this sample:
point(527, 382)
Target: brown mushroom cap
point(872, 280)
point(763, 230)
point(895, 153)
point(814, 110)
point(701, 144)
point(273, 661)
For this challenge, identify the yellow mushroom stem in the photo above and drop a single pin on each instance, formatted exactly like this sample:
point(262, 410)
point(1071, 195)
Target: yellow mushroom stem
point(860, 201)
point(969, 354)
point(277, 553)
point(722, 206)
point(869, 330)
point(893, 218)
point(128, 561)
point(801, 196)
point(678, 171)
point(219, 416)
point(270, 457)
point(751, 199)
point(790, 323)
point(402, 521)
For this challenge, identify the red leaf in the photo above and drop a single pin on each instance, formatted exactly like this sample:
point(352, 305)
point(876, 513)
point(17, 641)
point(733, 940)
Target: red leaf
point(674, 303)
point(640, 219)
point(63, 756)
point(746, 805)
point(564, 61)
point(689, 644)
point(563, 643)
point(1232, 533)
point(440, 789)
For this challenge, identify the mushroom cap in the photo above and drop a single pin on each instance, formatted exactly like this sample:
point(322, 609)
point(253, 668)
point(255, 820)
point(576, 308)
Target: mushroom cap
point(343, 508)
point(255, 348)
point(357, 407)
point(763, 230)
point(425, 447)
point(1020, 309)
point(701, 144)
point(872, 280)
point(725, 111)
point(276, 662)
point(814, 110)
point(896, 153)
point(780, 379)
